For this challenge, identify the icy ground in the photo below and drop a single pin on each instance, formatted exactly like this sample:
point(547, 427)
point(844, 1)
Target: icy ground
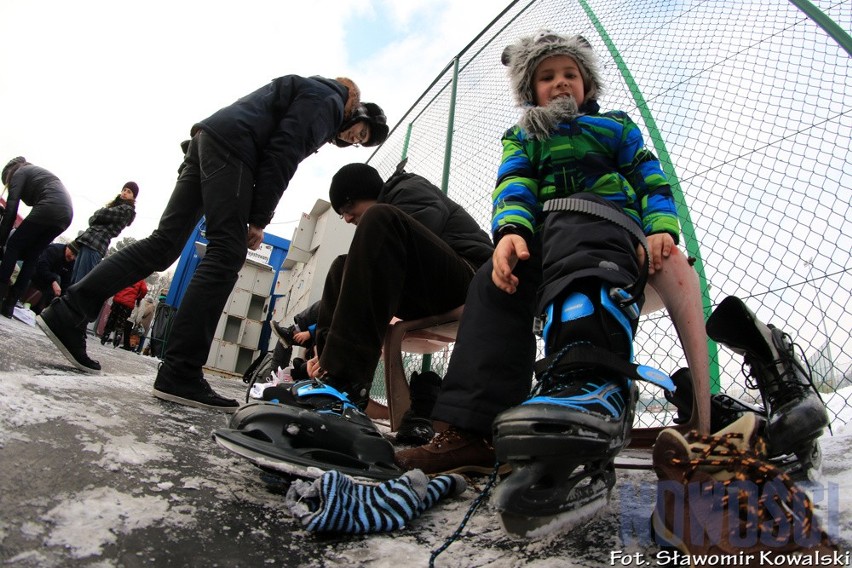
point(94, 471)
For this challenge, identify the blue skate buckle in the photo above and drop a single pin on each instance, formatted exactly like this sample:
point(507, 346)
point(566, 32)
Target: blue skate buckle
point(319, 388)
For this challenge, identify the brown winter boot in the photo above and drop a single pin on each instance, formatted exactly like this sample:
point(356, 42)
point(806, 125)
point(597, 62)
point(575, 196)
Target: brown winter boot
point(716, 496)
point(451, 451)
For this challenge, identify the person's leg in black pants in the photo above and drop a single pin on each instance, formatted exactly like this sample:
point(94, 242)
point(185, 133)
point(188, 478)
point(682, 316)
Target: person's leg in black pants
point(25, 244)
point(213, 183)
point(491, 366)
point(395, 267)
point(490, 370)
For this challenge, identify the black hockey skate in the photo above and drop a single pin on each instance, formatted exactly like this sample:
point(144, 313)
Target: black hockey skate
point(561, 444)
point(323, 431)
point(562, 441)
point(795, 413)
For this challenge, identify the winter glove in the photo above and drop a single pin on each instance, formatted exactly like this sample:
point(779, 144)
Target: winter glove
point(335, 503)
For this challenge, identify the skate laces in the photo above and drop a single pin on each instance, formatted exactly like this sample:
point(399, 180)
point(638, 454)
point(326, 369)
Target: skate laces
point(552, 380)
point(474, 506)
point(790, 388)
point(792, 507)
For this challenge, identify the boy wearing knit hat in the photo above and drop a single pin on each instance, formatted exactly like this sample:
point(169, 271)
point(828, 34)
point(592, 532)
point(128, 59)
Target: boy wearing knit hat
point(563, 160)
point(413, 254)
point(236, 166)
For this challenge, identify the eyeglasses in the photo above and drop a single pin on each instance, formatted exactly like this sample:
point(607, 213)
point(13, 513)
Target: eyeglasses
point(363, 134)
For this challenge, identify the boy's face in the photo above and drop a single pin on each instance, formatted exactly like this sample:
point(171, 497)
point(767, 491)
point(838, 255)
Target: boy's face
point(558, 76)
point(352, 211)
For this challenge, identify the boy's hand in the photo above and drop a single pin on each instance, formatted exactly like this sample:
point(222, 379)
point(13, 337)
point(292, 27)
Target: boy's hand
point(255, 236)
point(301, 337)
point(660, 245)
point(509, 250)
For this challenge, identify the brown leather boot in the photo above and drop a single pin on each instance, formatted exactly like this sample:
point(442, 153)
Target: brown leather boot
point(451, 451)
point(716, 496)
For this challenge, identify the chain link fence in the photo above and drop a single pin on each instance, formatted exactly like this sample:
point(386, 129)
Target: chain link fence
point(747, 105)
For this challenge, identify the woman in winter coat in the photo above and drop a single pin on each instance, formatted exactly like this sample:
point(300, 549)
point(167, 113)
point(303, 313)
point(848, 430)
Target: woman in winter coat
point(104, 225)
point(50, 215)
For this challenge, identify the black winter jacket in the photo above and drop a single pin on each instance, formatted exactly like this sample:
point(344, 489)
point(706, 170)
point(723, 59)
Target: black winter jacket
point(52, 267)
point(418, 197)
point(276, 127)
point(41, 190)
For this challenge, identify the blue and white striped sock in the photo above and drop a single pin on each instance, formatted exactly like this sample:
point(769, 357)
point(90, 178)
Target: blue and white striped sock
point(336, 503)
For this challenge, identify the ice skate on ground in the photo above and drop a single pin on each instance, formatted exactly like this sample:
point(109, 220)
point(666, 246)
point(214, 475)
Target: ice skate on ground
point(306, 443)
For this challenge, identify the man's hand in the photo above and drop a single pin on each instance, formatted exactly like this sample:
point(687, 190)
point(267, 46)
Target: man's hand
point(57, 289)
point(314, 369)
point(255, 236)
point(509, 250)
point(660, 245)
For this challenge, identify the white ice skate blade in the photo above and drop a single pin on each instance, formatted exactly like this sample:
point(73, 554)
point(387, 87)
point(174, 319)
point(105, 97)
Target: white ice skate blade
point(537, 527)
point(296, 470)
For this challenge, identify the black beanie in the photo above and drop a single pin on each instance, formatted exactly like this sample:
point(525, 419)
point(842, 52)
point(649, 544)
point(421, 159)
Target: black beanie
point(353, 182)
point(74, 246)
point(131, 185)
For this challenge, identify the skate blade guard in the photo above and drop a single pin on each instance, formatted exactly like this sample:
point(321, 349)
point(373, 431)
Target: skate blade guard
point(306, 443)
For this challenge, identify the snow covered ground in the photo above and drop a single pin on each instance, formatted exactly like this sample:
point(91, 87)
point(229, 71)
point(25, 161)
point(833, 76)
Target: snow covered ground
point(94, 471)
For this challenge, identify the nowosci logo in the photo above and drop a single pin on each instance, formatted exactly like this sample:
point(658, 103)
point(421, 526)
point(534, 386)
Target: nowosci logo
point(692, 505)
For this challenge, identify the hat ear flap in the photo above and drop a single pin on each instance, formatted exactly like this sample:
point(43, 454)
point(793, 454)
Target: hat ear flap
point(506, 57)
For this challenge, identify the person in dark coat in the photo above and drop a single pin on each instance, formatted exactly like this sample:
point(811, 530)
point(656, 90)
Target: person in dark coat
point(104, 225)
point(413, 254)
point(235, 168)
point(51, 214)
point(53, 273)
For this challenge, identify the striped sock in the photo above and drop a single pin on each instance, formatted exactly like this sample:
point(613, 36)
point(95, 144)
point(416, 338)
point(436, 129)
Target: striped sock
point(336, 503)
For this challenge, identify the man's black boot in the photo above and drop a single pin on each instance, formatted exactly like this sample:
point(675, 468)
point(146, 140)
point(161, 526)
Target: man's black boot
point(796, 413)
point(67, 330)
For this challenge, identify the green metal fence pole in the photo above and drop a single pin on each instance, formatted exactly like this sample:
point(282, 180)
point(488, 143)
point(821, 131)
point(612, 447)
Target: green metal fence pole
point(407, 140)
point(831, 27)
point(448, 147)
point(689, 237)
point(448, 152)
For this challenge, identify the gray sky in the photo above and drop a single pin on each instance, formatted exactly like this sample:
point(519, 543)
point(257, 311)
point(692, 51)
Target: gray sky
point(102, 92)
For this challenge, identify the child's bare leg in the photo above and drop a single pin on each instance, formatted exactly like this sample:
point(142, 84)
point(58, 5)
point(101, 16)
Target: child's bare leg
point(676, 287)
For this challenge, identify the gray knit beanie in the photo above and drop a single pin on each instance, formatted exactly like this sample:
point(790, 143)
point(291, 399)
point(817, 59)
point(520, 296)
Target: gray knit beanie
point(522, 58)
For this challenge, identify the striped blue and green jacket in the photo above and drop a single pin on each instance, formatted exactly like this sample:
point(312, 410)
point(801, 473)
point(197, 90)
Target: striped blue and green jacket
point(600, 153)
